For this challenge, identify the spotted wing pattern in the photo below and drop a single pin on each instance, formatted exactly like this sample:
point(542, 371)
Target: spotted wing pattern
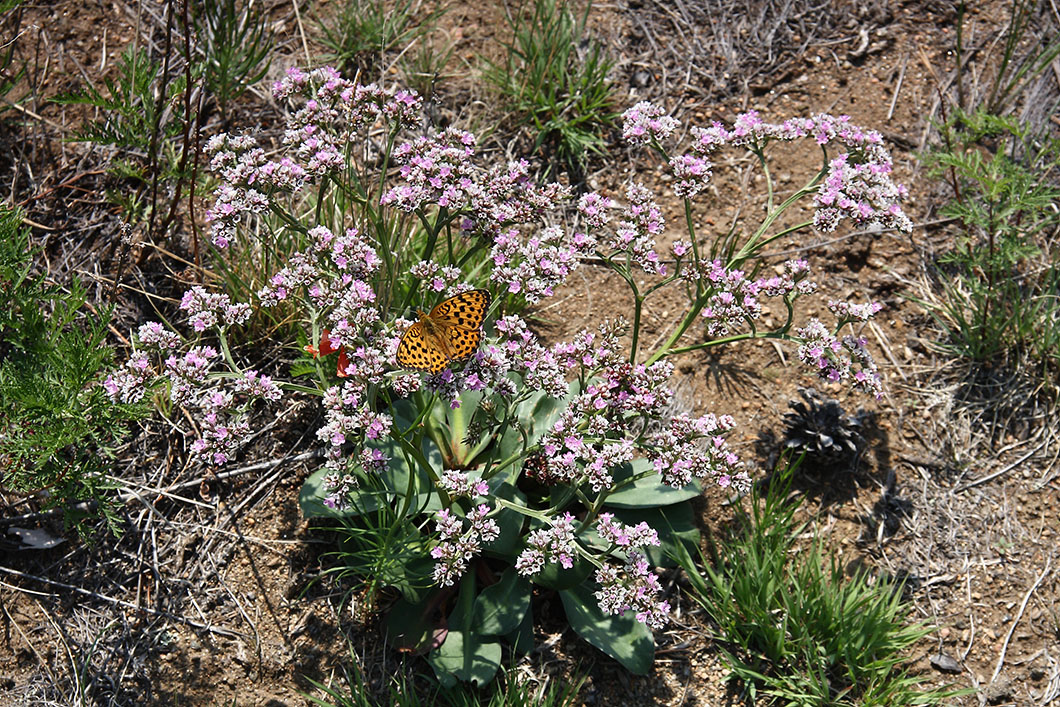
point(462, 343)
point(418, 352)
point(466, 310)
point(451, 332)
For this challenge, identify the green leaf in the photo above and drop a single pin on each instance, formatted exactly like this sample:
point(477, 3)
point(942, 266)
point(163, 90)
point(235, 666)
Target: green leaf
point(649, 491)
point(555, 577)
point(500, 608)
point(465, 655)
point(675, 524)
point(416, 583)
point(368, 498)
point(413, 627)
point(622, 637)
point(522, 638)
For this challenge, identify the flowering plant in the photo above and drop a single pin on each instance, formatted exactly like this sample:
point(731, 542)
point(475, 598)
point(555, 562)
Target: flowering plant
point(522, 463)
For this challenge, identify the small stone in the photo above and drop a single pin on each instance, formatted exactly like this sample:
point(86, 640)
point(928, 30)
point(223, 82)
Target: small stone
point(945, 663)
point(997, 692)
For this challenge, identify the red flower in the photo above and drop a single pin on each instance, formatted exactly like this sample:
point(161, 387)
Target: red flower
point(326, 348)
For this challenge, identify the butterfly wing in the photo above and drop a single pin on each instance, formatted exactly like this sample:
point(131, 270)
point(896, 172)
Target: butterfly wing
point(451, 332)
point(466, 310)
point(419, 352)
point(461, 343)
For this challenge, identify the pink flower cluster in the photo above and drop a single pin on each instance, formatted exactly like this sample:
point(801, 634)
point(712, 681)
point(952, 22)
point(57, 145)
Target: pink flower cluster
point(597, 432)
point(457, 546)
point(837, 360)
point(633, 588)
point(734, 299)
point(330, 111)
point(554, 544)
point(863, 193)
point(789, 282)
point(853, 312)
point(206, 310)
point(438, 278)
point(625, 536)
point(247, 179)
point(857, 185)
point(733, 302)
point(539, 366)
point(437, 170)
point(334, 275)
point(440, 170)
point(509, 195)
point(153, 336)
point(634, 237)
point(690, 448)
point(187, 374)
point(534, 266)
point(693, 173)
point(459, 484)
point(333, 110)
point(348, 414)
point(593, 209)
point(128, 384)
point(646, 122)
point(750, 129)
point(220, 403)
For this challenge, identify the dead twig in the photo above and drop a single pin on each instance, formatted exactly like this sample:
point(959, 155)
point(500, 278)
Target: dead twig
point(1019, 615)
point(897, 87)
point(126, 604)
point(1001, 472)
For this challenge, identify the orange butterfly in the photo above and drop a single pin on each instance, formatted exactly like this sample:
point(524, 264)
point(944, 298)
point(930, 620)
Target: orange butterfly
point(450, 333)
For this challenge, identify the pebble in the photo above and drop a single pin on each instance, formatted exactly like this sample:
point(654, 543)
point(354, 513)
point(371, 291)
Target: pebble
point(945, 663)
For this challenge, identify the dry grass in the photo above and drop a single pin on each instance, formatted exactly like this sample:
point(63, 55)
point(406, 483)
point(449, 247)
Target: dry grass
point(706, 51)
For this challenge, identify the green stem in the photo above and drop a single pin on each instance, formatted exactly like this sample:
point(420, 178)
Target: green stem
point(782, 335)
point(638, 306)
point(416, 453)
point(760, 154)
point(692, 234)
point(519, 508)
point(594, 507)
point(753, 245)
point(296, 388)
point(227, 353)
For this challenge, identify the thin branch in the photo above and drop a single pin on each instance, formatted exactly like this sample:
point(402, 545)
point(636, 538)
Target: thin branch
point(1019, 615)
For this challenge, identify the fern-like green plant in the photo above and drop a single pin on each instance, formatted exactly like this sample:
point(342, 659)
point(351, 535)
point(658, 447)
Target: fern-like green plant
point(57, 425)
point(999, 299)
point(131, 118)
point(235, 47)
point(10, 27)
point(127, 105)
